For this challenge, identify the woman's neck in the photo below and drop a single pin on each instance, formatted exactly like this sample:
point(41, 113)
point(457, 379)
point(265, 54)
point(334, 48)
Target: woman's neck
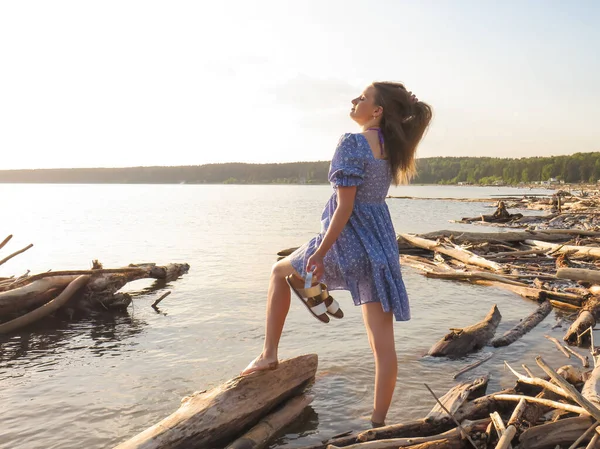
point(375, 123)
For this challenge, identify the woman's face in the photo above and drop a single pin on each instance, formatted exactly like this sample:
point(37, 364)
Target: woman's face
point(364, 108)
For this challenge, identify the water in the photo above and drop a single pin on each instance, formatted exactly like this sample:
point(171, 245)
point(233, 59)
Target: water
point(96, 382)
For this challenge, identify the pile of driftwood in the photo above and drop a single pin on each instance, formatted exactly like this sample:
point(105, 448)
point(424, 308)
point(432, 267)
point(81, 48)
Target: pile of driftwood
point(557, 268)
point(561, 410)
point(27, 299)
point(566, 210)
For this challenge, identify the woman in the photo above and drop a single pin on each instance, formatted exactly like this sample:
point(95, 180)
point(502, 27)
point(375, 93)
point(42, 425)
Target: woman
point(357, 249)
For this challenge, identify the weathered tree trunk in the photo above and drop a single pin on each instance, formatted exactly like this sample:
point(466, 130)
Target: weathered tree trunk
point(209, 419)
point(460, 342)
point(524, 326)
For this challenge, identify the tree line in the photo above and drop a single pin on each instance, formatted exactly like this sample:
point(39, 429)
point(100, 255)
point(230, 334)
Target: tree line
point(576, 168)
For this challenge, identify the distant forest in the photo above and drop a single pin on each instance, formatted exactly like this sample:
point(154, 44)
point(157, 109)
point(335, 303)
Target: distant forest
point(576, 168)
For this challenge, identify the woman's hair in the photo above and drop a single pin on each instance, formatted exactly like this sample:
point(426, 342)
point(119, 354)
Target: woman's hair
point(403, 124)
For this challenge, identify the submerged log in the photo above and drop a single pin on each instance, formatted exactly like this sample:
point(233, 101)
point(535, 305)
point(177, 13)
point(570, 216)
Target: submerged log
point(524, 326)
point(460, 342)
point(210, 419)
point(265, 430)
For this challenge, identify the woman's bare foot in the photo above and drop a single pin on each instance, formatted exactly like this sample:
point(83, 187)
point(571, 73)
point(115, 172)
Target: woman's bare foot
point(260, 363)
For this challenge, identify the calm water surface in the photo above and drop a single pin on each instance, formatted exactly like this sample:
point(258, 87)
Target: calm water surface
point(95, 382)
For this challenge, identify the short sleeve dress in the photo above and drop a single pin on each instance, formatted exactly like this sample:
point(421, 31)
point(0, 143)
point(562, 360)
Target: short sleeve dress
point(364, 259)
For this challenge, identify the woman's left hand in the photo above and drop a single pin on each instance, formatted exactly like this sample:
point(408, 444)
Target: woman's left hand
point(315, 264)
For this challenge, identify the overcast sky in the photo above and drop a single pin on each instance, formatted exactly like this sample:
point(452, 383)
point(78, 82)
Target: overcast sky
point(126, 83)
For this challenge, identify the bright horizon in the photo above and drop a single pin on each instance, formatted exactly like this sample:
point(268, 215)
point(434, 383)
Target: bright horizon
point(131, 83)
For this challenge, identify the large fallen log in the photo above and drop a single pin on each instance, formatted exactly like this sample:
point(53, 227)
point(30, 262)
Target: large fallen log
point(456, 252)
point(460, 342)
point(524, 326)
point(211, 419)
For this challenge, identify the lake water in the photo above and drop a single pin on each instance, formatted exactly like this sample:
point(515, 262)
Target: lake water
point(96, 382)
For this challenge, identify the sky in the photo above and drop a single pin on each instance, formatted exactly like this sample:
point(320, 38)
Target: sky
point(132, 83)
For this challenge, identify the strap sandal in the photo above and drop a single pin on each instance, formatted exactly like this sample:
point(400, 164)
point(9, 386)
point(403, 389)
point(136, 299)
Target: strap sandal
point(311, 298)
point(333, 307)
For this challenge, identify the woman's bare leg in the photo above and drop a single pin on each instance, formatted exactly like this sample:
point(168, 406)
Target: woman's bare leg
point(278, 305)
point(380, 329)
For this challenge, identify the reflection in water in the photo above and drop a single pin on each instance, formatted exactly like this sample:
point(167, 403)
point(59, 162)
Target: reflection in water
point(108, 332)
point(304, 426)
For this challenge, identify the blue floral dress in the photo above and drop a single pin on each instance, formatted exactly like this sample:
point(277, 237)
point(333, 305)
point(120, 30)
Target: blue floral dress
point(364, 259)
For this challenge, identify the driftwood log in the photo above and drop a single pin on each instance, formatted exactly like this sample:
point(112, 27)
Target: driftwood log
point(213, 418)
point(460, 342)
point(524, 326)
